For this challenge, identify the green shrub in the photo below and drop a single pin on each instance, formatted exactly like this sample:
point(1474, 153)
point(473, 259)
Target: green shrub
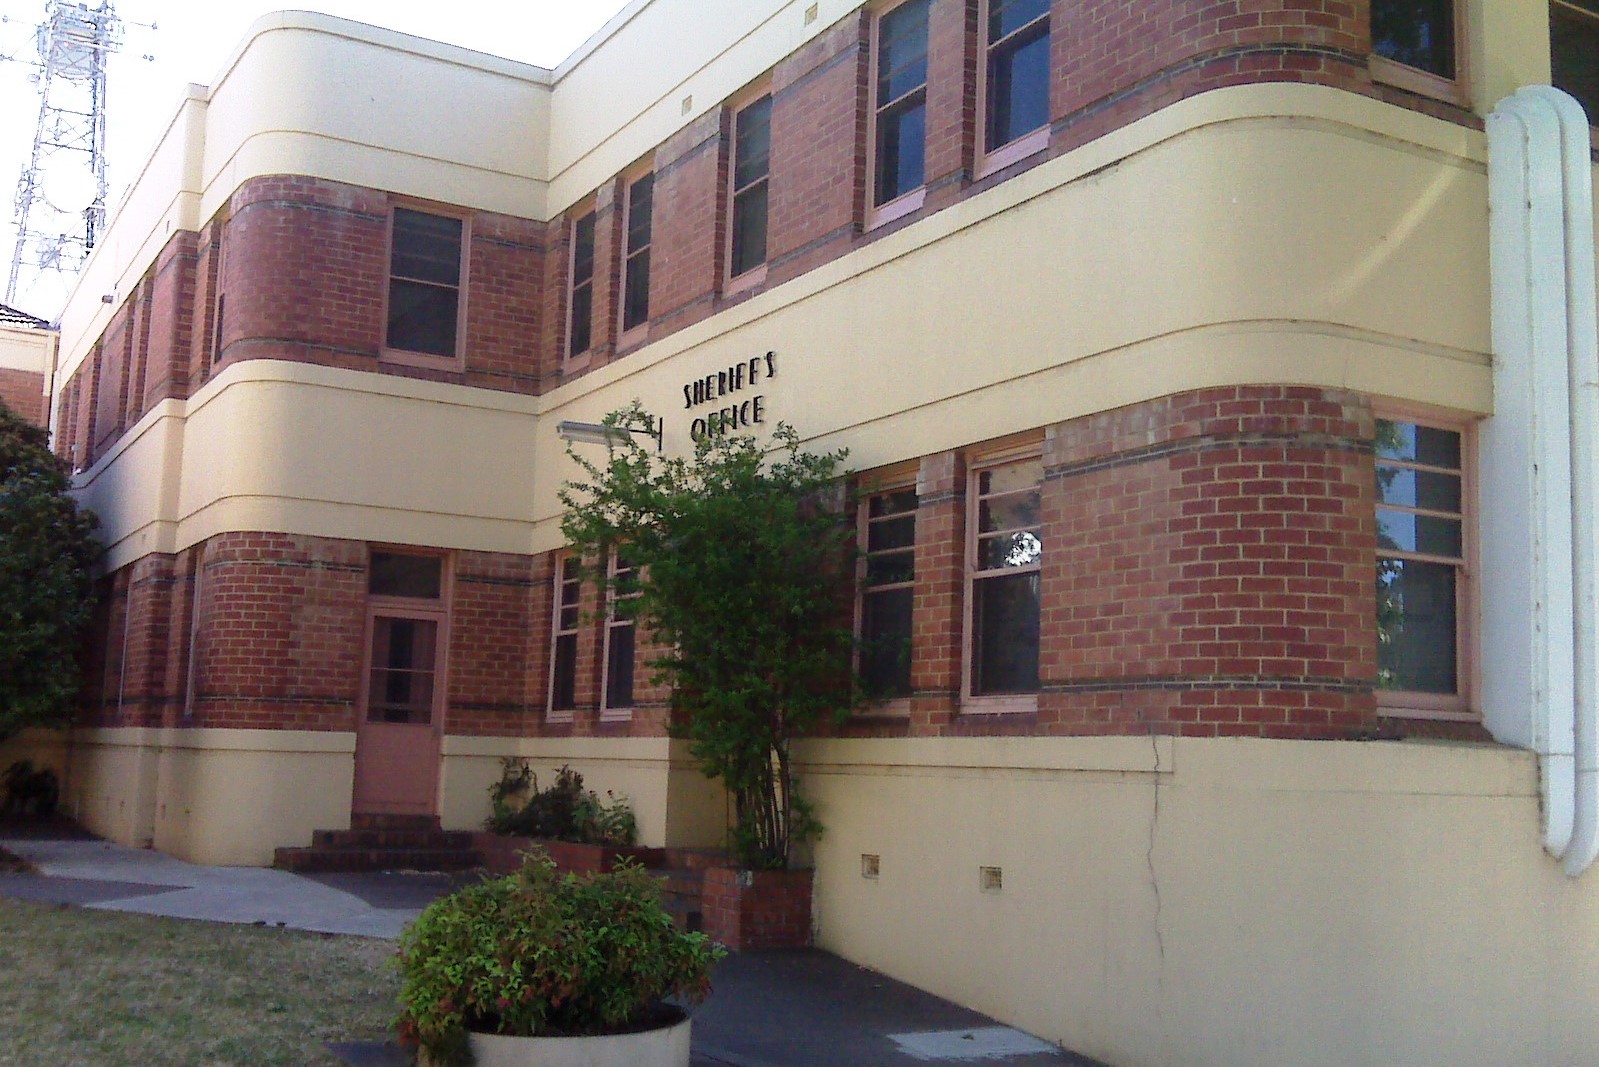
point(541, 953)
point(563, 812)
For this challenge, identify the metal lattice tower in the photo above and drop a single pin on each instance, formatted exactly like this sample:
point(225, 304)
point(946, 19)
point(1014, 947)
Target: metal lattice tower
point(73, 43)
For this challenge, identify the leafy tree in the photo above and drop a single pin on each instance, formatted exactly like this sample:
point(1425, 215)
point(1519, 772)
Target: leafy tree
point(739, 557)
point(46, 549)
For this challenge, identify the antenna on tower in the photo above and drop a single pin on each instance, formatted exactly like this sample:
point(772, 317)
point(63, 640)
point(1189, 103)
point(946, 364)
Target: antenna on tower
point(73, 43)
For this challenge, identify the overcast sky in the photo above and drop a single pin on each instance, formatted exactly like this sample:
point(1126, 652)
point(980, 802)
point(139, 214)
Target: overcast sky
point(189, 43)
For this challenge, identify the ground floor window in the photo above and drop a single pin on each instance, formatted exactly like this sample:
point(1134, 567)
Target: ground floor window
point(563, 640)
point(888, 587)
point(620, 645)
point(1004, 550)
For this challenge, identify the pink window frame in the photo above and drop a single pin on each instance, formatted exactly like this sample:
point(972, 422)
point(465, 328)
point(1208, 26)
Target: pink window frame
point(911, 201)
point(612, 623)
point(405, 357)
point(885, 483)
point(996, 159)
point(440, 610)
point(627, 338)
point(755, 275)
point(584, 209)
point(1000, 456)
point(1458, 706)
point(551, 712)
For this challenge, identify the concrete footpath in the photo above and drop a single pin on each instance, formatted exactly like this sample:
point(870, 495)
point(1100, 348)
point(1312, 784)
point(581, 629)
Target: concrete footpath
point(769, 1009)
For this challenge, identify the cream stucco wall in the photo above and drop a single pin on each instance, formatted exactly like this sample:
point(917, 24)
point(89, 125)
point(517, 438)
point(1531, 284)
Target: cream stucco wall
point(1217, 903)
point(27, 349)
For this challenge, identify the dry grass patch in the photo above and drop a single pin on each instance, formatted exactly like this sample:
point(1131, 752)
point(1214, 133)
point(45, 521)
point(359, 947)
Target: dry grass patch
point(98, 987)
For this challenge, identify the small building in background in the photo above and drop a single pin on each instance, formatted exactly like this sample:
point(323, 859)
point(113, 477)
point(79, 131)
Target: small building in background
point(27, 364)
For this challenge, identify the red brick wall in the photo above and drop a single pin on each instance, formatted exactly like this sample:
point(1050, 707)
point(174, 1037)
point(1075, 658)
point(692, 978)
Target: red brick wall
point(688, 234)
point(757, 909)
point(111, 381)
point(169, 325)
point(23, 392)
point(491, 640)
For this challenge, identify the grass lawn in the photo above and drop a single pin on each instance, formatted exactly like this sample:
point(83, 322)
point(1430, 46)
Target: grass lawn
point(101, 988)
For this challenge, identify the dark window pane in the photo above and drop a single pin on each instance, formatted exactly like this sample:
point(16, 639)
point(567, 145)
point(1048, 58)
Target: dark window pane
point(1417, 33)
point(1010, 512)
point(640, 208)
point(1005, 638)
point(619, 668)
point(1428, 490)
point(1418, 444)
point(752, 143)
point(563, 693)
point(886, 642)
point(400, 688)
point(426, 247)
point(1011, 477)
point(890, 567)
point(1005, 17)
point(1021, 549)
point(1018, 87)
point(901, 149)
point(582, 320)
point(1416, 626)
point(902, 51)
point(1574, 53)
point(894, 503)
point(885, 534)
point(583, 249)
point(422, 317)
point(1401, 531)
point(749, 229)
point(395, 574)
point(636, 299)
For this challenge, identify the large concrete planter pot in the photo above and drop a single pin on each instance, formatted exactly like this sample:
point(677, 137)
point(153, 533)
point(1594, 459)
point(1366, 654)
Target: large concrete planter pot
point(667, 1046)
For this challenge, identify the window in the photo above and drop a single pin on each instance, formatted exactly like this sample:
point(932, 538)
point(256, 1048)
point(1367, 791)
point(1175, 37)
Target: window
point(636, 266)
point(580, 323)
point(752, 145)
point(1414, 45)
point(395, 574)
point(899, 103)
point(1574, 51)
point(424, 283)
point(563, 641)
point(619, 643)
point(1421, 566)
point(1003, 555)
point(888, 545)
point(406, 617)
point(1016, 80)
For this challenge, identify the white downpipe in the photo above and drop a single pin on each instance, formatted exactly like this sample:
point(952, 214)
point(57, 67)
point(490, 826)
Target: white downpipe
point(1540, 462)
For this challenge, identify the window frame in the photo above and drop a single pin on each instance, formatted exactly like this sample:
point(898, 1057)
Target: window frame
point(1458, 706)
point(404, 356)
point(612, 623)
point(630, 335)
point(756, 275)
point(1031, 448)
point(1399, 75)
point(886, 483)
point(586, 209)
point(911, 200)
point(558, 583)
point(996, 158)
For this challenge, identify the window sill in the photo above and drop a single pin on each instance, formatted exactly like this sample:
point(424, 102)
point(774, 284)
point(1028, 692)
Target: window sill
point(1420, 82)
point(616, 715)
point(630, 339)
point(897, 208)
point(403, 358)
point(579, 362)
point(748, 280)
point(1010, 704)
point(1018, 150)
point(1396, 705)
point(560, 718)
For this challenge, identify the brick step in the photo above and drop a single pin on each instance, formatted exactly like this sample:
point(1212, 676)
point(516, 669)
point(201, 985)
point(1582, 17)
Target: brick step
point(430, 839)
point(327, 860)
point(693, 859)
point(367, 821)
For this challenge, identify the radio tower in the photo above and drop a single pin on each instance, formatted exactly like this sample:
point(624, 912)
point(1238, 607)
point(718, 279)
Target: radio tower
point(73, 42)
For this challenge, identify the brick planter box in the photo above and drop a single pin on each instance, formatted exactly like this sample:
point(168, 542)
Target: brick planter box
point(757, 909)
point(502, 855)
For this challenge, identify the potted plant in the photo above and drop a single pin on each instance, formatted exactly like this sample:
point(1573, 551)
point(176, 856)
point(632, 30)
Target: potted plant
point(549, 969)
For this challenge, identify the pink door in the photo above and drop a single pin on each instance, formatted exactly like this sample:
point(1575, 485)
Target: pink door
point(401, 713)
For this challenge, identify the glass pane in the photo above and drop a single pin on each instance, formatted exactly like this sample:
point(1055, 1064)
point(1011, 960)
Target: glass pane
point(426, 247)
point(886, 643)
point(583, 250)
point(1018, 87)
point(563, 694)
point(894, 503)
point(1418, 444)
point(1428, 490)
point(1416, 626)
point(569, 617)
point(395, 574)
point(890, 567)
point(884, 534)
point(582, 320)
point(1020, 549)
point(422, 317)
point(1024, 474)
point(640, 205)
point(752, 143)
point(1574, 53)
point(1417, 33)
point(749, 229)
point(1007, 16)
point(400, 688)
point(902, 51)
point(901, 149)
point(1005, 637)
point(619, 668)
point(636, 298)
point(1400, 531)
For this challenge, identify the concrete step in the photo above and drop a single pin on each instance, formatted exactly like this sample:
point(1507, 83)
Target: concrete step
point(326, 860)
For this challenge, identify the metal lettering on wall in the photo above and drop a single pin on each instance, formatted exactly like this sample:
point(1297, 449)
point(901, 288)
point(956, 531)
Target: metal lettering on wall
point(733, 414)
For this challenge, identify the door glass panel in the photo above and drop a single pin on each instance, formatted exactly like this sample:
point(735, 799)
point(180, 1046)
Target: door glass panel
point(400, 687)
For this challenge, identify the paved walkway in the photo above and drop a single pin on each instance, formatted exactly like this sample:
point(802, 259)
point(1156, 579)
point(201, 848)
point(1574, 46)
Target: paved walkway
point(770, 1009)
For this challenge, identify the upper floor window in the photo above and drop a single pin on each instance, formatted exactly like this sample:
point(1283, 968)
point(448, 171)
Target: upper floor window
point(425, 282)
point(580, 308)
point(752, 147)
point(1421, 566)
point(1016, 79)
point(899, 102)
point(1414, 45)
point(1574, 51)
point(636, 265)
point(1004, 553)
point(888, 546)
